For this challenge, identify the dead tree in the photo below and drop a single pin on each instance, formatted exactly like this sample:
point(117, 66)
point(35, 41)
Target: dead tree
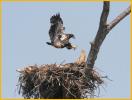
point(72, 80)
point(104, 29)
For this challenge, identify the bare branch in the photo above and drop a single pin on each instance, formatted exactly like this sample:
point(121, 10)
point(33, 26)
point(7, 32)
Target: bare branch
point(95, 45)
point(119, 18)
point(103, 30)
point(104, 15)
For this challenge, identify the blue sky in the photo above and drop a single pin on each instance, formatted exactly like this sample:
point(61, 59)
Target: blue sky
point(25, 30)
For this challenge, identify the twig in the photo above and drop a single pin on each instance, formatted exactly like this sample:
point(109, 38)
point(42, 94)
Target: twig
point(68, 91)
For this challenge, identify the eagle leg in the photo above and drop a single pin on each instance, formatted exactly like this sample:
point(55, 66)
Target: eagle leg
point(71, 46)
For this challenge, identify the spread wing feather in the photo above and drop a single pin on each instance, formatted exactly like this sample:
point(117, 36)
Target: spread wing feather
point(56, 26)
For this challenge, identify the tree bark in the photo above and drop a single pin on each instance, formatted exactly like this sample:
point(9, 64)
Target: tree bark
point(103, 30)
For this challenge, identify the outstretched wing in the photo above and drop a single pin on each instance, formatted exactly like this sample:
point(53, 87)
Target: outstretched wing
point(56, 26)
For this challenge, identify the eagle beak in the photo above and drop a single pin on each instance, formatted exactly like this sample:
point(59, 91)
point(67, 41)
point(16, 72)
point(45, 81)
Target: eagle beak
point(73, 37)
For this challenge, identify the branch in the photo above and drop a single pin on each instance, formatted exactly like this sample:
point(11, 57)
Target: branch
point(95, 45)
point(119, 18)
point(103, 30)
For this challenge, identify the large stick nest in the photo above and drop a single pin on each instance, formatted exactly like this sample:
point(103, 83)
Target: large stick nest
point(72, 80)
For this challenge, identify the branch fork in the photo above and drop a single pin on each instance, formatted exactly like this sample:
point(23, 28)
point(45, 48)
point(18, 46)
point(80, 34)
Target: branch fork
point(103, 30)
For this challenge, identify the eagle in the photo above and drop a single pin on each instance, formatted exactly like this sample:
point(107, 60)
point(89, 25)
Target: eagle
point(59, 39)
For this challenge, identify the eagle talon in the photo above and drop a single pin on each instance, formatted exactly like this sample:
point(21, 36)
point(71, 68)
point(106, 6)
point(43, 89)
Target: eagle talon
point(48, 43)
point(74, 47)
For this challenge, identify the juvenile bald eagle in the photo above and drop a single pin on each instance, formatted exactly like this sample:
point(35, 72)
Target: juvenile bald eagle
point(58, 38)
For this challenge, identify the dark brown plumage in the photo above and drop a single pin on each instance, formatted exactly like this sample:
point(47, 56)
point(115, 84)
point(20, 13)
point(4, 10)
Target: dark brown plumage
point(58, 38)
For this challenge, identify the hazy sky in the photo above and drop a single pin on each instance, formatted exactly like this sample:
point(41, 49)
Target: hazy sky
point(25, 30)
